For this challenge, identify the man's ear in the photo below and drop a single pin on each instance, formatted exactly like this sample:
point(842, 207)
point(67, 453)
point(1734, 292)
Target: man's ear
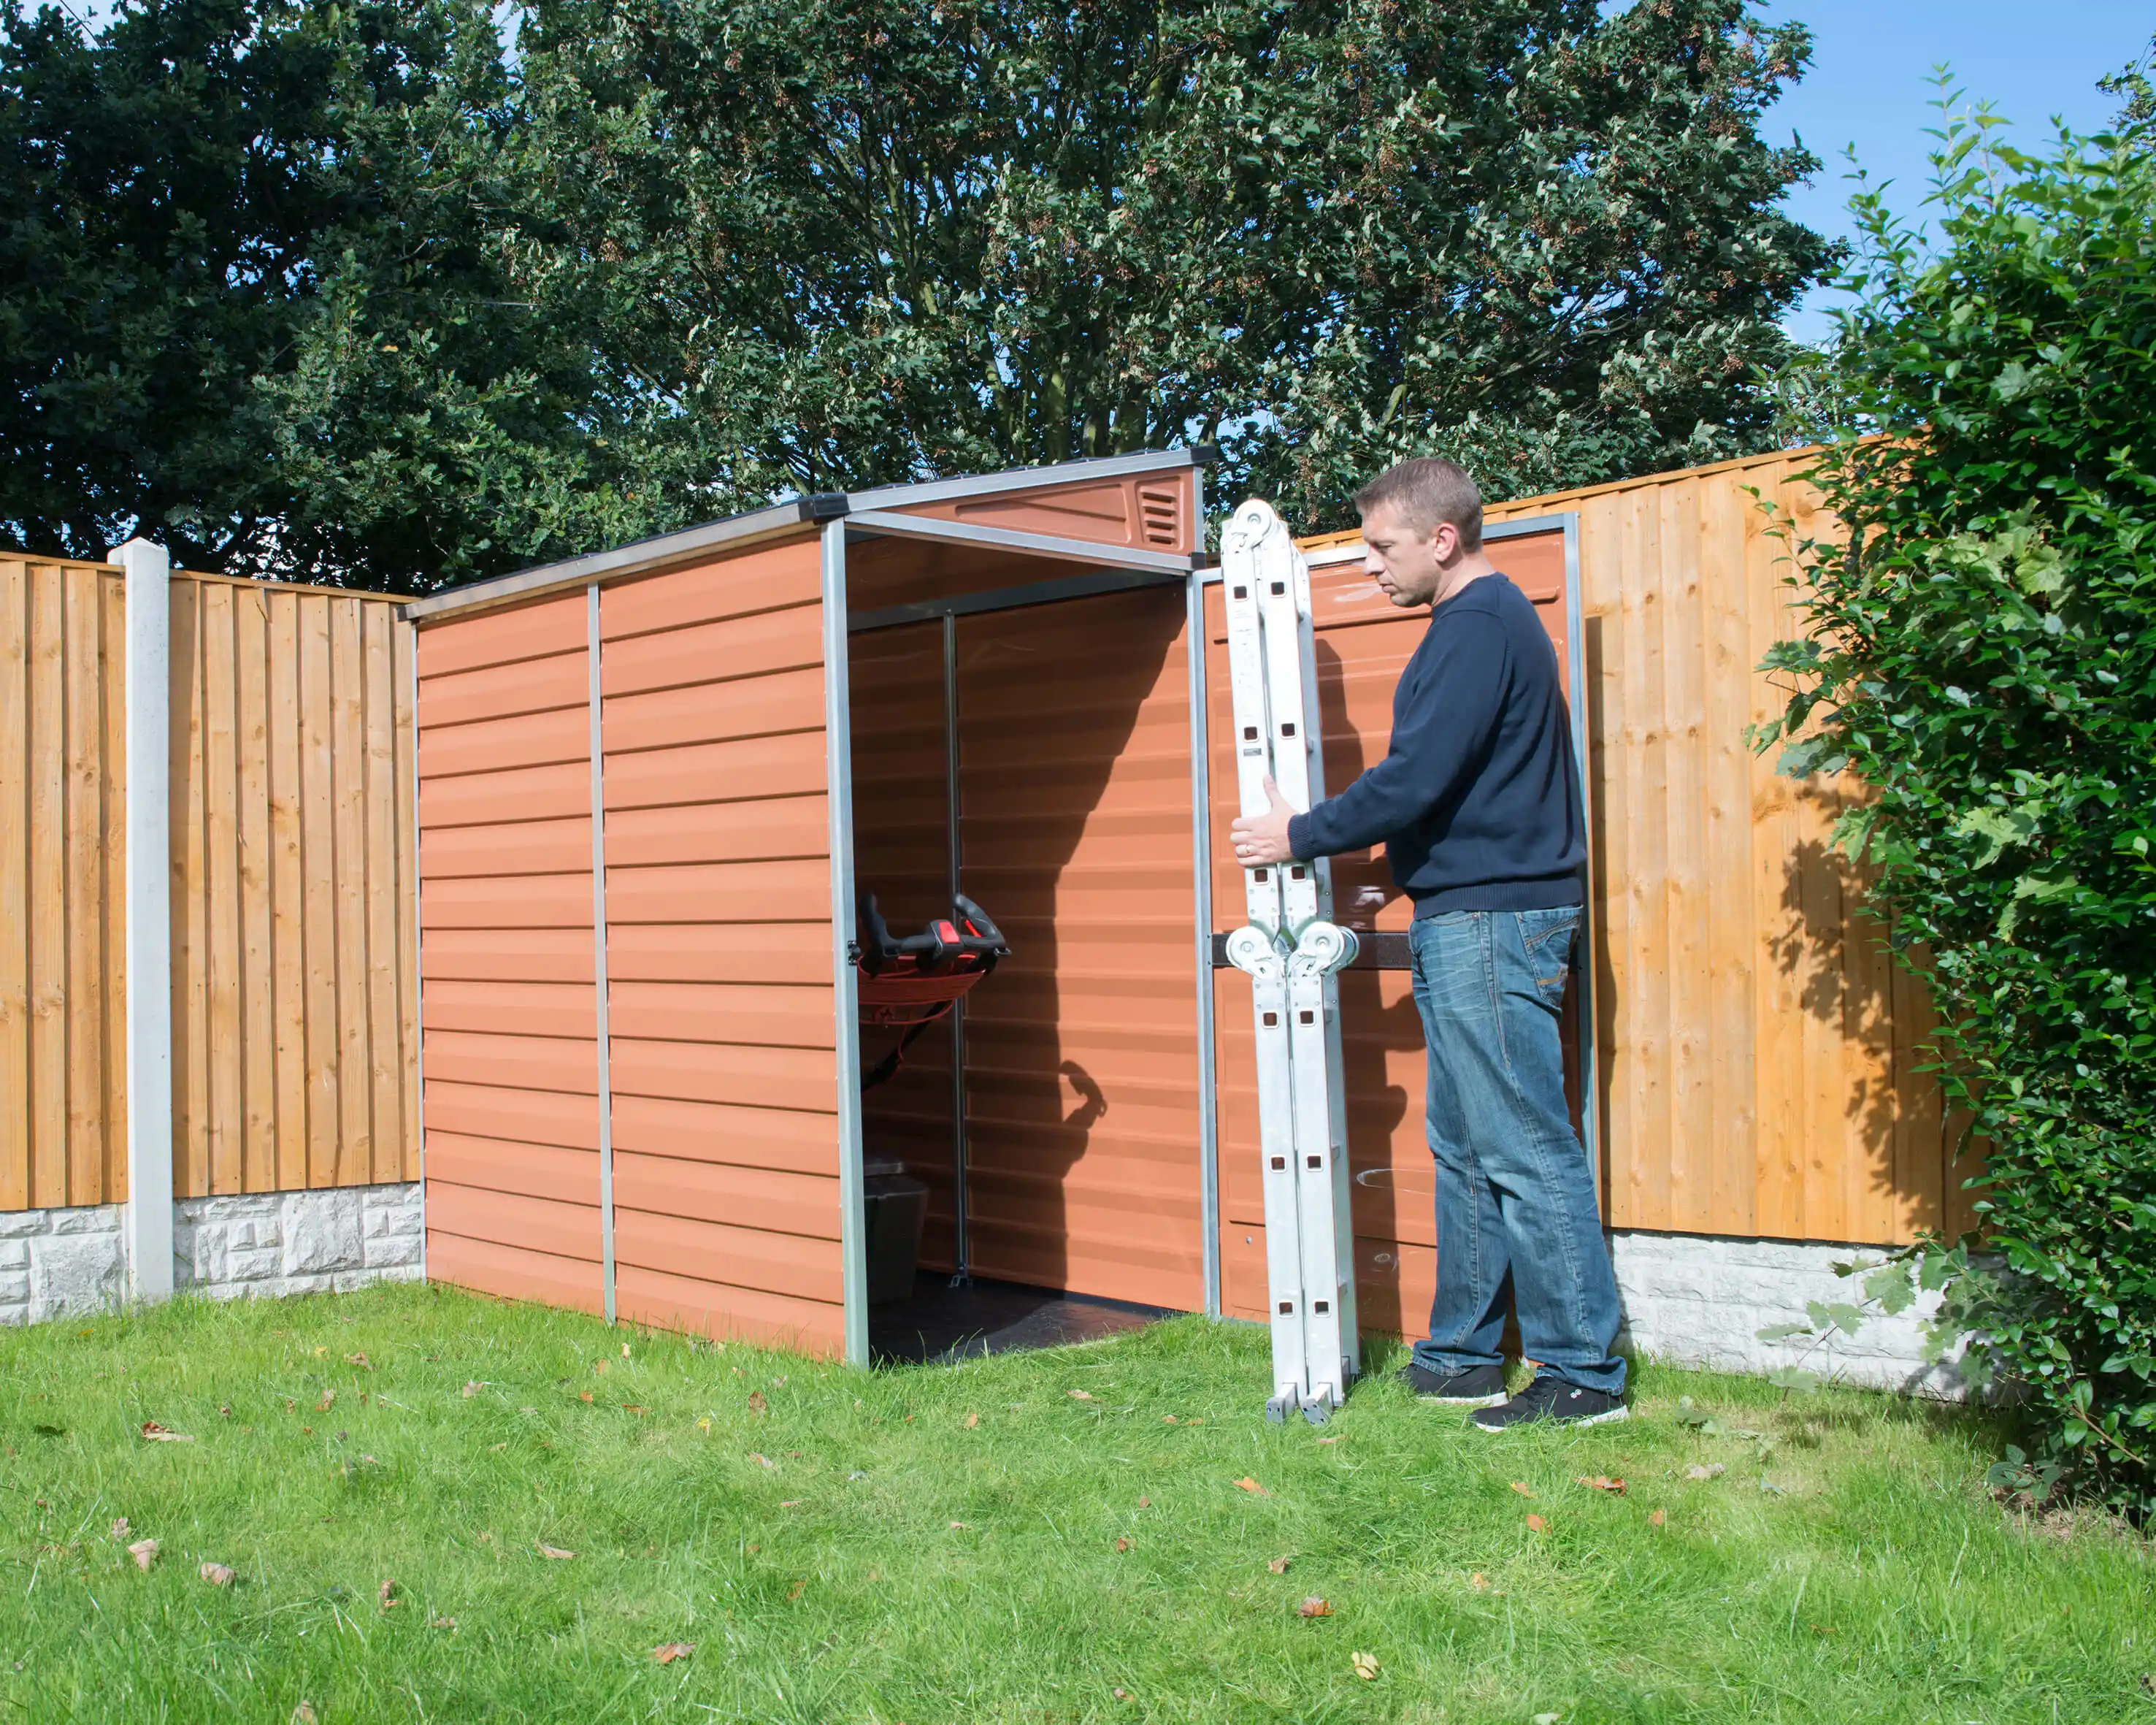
point(1445, 542)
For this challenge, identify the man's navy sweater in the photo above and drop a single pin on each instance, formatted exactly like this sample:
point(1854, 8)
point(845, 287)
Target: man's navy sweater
point(1477, 799)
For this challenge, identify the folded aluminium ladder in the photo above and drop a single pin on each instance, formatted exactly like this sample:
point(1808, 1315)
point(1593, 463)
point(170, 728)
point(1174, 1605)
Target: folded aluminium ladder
point(1293, 953)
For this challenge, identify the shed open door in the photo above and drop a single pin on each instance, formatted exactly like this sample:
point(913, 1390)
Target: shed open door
point(1363, 644)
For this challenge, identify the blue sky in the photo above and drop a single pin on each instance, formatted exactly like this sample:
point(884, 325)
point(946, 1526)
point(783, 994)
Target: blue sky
point(1870, 85)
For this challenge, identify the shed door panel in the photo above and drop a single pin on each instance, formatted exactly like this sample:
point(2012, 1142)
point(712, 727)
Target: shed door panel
point(902, 854)
point(1082, 1100)
point(1363, 643)
point(720, 1002)
point(508, 1018)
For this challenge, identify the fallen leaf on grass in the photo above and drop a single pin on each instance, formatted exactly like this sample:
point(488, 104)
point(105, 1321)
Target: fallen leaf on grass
point(554, 1552)
point(756, 1402)
point(119, 1527)
point(598, 1368)
point(795, 1591)
point(761, 1460)
point(1535, 1524)
point(961, 1526)
point(1278, 1566)
point(1122, 1545)
point(1247, 1484)
point(1705, 1471)
point(1145, 1503)
point(496, 1449)
point(703, 1424)
point(157, 1434)
point(385, 1595)
point(1656, 1520)
point(1523, 1490)
point(144, 1551)
point(1543, 1719)
point(359, 1359)
point(972, 1420)
point(1168, 1420)
point(1314, 1607)
point(583, 1395)
point(1601, 1482)
point(1478, 1581)
point(792, 1502)
point(1329, 1440)
point(666, 1652)
point(1078, 1395)
point(625, 1350)
point(327, 1401)
point(441, 1623)
point(216, 1574)
point(1366, 1665)
point(1123, 1695)
point(471, 1387)
point(303, 1715)
point(635, 1407)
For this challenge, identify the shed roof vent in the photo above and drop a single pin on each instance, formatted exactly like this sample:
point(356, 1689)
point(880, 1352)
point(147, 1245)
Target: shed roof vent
point(1160, 514)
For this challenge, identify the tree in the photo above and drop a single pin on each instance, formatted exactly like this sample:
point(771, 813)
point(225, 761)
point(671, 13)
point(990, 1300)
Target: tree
point(261, 297)
point(865, 241)
point(2136, 84)
point(1983, 655)
point(311, 287)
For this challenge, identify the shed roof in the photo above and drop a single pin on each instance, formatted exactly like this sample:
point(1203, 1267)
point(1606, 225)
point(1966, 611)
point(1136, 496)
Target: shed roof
point(647, 556)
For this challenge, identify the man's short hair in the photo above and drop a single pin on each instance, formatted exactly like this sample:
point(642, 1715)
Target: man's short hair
point(1425, 492)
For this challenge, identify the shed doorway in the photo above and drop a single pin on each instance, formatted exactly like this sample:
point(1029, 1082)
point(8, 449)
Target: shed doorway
point(1031, 747)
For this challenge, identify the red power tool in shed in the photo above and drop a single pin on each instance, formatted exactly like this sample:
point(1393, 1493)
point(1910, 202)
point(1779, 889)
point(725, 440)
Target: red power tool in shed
point(908, 983)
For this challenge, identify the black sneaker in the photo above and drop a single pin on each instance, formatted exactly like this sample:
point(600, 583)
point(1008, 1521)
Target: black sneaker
point(1477, 1387)
point(1557, 1403)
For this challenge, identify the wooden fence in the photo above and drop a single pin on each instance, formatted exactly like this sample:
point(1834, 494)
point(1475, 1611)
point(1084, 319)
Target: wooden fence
point(1759, 1051)
point(294, 989)
point(1759, 1048)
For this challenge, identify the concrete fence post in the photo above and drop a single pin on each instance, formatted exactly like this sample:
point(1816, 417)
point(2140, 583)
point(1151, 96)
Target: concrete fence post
point(147, 569)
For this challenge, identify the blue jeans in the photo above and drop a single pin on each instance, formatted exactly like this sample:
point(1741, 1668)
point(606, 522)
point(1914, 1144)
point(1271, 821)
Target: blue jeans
point(1515, 1195)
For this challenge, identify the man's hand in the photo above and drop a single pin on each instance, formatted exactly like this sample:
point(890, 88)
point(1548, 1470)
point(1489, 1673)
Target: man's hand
point(1261, 840)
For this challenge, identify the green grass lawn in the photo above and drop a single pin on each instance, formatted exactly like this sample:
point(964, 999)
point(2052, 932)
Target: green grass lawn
point(1065, 1535)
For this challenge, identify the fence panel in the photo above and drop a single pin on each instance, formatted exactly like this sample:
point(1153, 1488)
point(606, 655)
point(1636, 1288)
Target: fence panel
point(61, 1000)
point(295, 946)
point(293, 991)
point(1759, 1051)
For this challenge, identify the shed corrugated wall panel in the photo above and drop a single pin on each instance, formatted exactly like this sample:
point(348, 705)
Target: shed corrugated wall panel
point(1363, 643)
point(1081, 1053)
point(506, 957)
point(718, 950)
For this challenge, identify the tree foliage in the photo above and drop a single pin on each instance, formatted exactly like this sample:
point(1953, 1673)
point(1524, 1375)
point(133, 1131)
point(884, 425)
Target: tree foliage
point(316, 287)
point(262, 296)
point(1982, 654)
point(876, 240)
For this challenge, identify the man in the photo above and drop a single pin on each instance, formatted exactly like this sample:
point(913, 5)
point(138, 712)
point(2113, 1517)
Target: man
point(1478, 804)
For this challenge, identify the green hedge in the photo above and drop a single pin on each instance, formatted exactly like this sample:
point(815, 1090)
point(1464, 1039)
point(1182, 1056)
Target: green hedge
point(1982, 653)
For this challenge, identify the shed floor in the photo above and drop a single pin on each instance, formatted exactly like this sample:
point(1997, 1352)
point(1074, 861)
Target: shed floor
point(941, 1323)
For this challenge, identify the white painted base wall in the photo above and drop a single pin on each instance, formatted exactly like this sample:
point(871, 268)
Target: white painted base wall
point(61, 1261)
point(1688, 1299)
point(1692, 1300)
